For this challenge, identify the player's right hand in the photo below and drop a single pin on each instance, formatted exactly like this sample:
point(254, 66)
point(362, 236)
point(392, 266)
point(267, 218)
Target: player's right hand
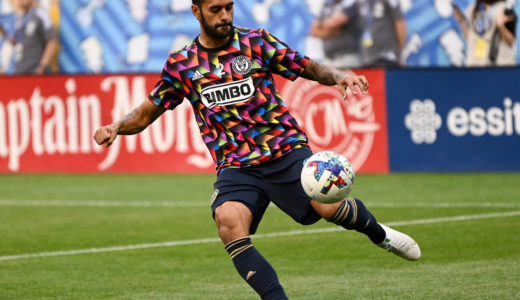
point(105, 135)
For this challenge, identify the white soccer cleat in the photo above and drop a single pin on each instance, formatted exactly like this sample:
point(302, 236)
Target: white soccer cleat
point(400, 244)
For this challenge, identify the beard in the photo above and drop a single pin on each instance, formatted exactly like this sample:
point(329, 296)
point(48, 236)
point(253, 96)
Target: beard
point(213, 30)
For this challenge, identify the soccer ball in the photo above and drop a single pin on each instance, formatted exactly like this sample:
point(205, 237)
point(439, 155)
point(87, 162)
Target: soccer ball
point(327, 177)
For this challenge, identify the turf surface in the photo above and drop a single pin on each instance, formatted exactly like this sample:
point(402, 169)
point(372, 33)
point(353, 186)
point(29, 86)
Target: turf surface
point(467, 226)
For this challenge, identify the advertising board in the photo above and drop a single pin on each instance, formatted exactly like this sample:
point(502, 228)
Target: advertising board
point(47, 124)
point(454, 119)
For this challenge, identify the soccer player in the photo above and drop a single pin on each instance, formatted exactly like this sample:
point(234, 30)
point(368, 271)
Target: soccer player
point(227, 75)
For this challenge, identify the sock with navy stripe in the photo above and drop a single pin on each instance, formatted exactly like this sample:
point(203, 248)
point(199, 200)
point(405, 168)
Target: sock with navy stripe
point(255, 269)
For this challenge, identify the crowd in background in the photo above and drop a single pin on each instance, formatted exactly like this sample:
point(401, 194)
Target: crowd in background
point(489, 29)
point(355, 34)
point(372, 33)
point(361, 33)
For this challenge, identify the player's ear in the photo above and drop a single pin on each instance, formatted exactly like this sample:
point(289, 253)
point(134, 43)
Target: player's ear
point(195, 9)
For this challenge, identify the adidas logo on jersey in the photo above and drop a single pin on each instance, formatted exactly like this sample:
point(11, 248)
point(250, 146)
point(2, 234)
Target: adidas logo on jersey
point(197, 75)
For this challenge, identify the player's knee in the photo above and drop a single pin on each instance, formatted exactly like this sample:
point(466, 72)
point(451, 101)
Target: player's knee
point(233, 220)
point(226, 233)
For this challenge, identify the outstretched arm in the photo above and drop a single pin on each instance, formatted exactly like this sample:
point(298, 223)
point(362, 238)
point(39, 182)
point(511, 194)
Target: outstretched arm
point(134, 122)
point(328, 75)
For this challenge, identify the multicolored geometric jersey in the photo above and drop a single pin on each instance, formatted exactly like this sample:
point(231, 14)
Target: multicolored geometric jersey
point(240, 114)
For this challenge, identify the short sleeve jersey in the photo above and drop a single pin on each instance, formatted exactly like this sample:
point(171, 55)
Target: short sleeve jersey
point(241, 117)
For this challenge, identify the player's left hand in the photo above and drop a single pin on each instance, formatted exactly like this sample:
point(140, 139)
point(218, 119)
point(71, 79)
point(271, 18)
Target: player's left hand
point(352, 85)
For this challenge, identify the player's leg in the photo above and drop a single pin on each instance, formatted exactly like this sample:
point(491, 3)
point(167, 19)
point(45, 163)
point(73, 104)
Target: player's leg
point(352, 214)
point(234, 221)
point(285, 190)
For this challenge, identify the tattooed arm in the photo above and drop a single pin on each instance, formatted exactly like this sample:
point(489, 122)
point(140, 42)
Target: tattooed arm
point(328, 75)
point(134, 122)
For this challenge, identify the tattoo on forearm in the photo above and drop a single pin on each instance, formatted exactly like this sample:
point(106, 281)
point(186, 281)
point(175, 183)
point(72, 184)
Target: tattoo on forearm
point(125, 125)
point(324, 74)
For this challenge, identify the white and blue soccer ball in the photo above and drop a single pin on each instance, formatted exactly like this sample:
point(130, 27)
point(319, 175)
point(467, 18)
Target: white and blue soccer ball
point(327, 177)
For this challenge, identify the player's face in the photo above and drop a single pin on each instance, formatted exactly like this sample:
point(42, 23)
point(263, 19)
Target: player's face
point(216, 17)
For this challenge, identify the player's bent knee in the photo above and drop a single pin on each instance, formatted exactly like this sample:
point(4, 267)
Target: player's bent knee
point(233, 221)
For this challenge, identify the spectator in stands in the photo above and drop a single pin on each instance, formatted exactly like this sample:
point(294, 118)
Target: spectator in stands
point(34, 41)
point(339, 27)
point(384, 33)
point(489, 40)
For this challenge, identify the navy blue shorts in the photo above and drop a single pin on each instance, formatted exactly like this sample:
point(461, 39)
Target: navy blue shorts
point(277, 181)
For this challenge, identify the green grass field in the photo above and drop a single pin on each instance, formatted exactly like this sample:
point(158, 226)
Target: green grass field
point(59, 233)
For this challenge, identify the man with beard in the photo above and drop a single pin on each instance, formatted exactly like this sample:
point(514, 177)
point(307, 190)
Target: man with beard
point(226, 73)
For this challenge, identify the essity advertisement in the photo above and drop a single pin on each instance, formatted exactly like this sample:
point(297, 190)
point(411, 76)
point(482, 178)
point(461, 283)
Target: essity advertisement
point(47, 124)
point(454, 119)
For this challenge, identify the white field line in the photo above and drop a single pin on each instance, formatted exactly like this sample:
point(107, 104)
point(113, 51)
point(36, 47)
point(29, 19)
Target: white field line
point(155, 204)
point(265, 235)
point(101, 203)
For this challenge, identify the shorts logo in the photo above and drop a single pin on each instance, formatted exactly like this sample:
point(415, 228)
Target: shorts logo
point(214, 196)
point(228, 93)
point(241, 65)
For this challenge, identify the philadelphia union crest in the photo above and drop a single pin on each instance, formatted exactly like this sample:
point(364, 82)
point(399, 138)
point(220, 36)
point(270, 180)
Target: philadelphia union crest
point(241, 65)
point(214, 196)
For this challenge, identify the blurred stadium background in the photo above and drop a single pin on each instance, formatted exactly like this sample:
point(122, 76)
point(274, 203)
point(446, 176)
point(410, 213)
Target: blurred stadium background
point(100, 36)
point(435, 145)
